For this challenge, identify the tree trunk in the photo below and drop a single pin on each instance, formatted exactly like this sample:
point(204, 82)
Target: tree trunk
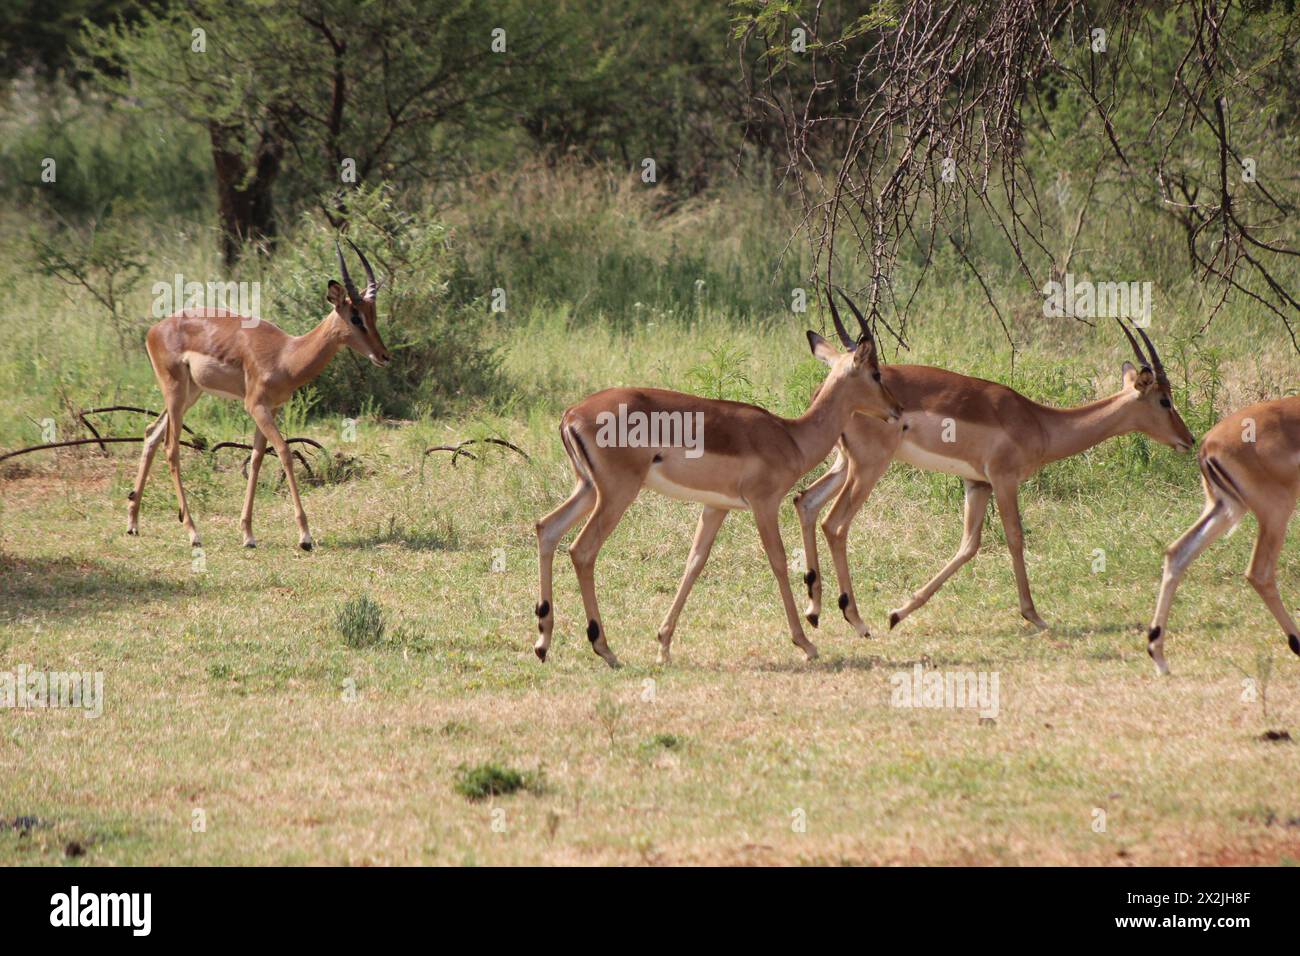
point(244, 199)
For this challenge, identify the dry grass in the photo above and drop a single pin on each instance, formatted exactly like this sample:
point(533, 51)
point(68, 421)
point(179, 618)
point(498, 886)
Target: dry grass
point(227, 689)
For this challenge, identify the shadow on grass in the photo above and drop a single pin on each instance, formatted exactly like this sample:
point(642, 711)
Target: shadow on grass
point(408, 539)
point(71, 587)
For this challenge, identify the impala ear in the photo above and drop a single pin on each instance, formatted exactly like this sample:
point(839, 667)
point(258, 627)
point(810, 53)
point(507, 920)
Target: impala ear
point(335, 295)
point(865, 353)
point(823, 350)
point(1140, 379)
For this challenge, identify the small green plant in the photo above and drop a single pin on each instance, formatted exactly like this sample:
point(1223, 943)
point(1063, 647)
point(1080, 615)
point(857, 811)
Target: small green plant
point(494, 780)
point(610, 714)
point(723, 375)
point(361, 621)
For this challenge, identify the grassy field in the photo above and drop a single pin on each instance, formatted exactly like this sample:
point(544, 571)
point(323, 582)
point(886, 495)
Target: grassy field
point(229, 688)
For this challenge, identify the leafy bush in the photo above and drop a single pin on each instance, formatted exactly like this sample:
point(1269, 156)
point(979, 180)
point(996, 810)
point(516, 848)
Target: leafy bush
point(436, 337)
point(492, 779)
point(361, 621)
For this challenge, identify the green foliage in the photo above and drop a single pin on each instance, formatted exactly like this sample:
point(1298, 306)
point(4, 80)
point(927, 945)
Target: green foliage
point(361, 621)
point(104, 259)
point(428, 316)
point(494, 780)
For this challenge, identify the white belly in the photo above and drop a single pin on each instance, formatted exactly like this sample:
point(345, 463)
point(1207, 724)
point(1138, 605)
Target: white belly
point(215, 378)
point(931, 461)
point(656, 481)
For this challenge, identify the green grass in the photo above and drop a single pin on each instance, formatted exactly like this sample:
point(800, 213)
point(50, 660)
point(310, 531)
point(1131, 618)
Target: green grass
point(230, 689)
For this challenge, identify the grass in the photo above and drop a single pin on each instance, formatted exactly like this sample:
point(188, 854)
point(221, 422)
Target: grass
point(229, 689)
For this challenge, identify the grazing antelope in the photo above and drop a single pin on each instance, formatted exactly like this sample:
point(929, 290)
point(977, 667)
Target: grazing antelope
point(993, 438)
point(254, 362)
point(1250, 461)
point(748, 459)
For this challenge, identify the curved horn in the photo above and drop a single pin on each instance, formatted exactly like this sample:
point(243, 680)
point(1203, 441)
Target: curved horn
point(1142, 359)
point(866, 329)
point(839, 326)
point(372, 286)
point(1158, 365)
point(348, 284)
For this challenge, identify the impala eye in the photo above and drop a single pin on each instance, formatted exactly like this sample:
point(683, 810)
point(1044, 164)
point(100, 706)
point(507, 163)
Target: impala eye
point(356, 319)
point(1165, 403)
point(876, 376)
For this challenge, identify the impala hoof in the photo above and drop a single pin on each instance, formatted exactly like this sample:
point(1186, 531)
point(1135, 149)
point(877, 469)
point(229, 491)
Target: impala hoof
point(1294, 643)
point(305, 545)
point(250, 543)
point(812, 619)
point(541, 653)
point(133, 532)
point(894, 618)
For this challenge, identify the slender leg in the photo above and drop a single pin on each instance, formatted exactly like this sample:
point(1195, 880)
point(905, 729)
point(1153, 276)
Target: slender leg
point(264, 418)
point(610, 505)
point(769, 531)
point(153, 437)
point(1263, 568)
point(1219, 515)
point(550, 531)
point(976, 508)
point(710, 521)
point(1007, 494)
point(862, 479)
point(177, 404)
point(254, 467)
point(807, 505)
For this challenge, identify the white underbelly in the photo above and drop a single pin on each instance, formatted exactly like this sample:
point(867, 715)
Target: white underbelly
point(656, 481)
point(932, 461)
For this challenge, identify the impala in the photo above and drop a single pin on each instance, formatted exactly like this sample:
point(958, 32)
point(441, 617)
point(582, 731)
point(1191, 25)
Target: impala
point(748, 459)
point(1250, 461)
point(251, 361)
point(989, 435)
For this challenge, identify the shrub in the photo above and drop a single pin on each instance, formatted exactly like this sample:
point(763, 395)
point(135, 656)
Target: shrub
point(492, 779)
point(435, 335)
point(361, 621)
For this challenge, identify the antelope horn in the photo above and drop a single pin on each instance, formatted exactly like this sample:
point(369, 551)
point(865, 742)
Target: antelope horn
point(1158, 365)
point(348, 284)
point(839, 326)
point(1142, 359)
point(372, 286)
point(866, 329)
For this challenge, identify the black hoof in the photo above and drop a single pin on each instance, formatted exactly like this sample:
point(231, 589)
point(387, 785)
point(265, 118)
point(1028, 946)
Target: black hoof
point(306, 545)
point(133, 532)
point(1294, 643)
point(251, 545)
point(541, 653)
point(893, 619)
point(812, 619)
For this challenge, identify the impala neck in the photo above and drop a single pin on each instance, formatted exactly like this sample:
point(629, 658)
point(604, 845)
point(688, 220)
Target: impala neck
point(816, 431)
point(307, 355)
point(1072, 430)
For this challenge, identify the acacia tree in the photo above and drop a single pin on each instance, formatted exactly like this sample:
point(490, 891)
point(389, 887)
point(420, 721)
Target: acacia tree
point(947, 98)
point(303, 100)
